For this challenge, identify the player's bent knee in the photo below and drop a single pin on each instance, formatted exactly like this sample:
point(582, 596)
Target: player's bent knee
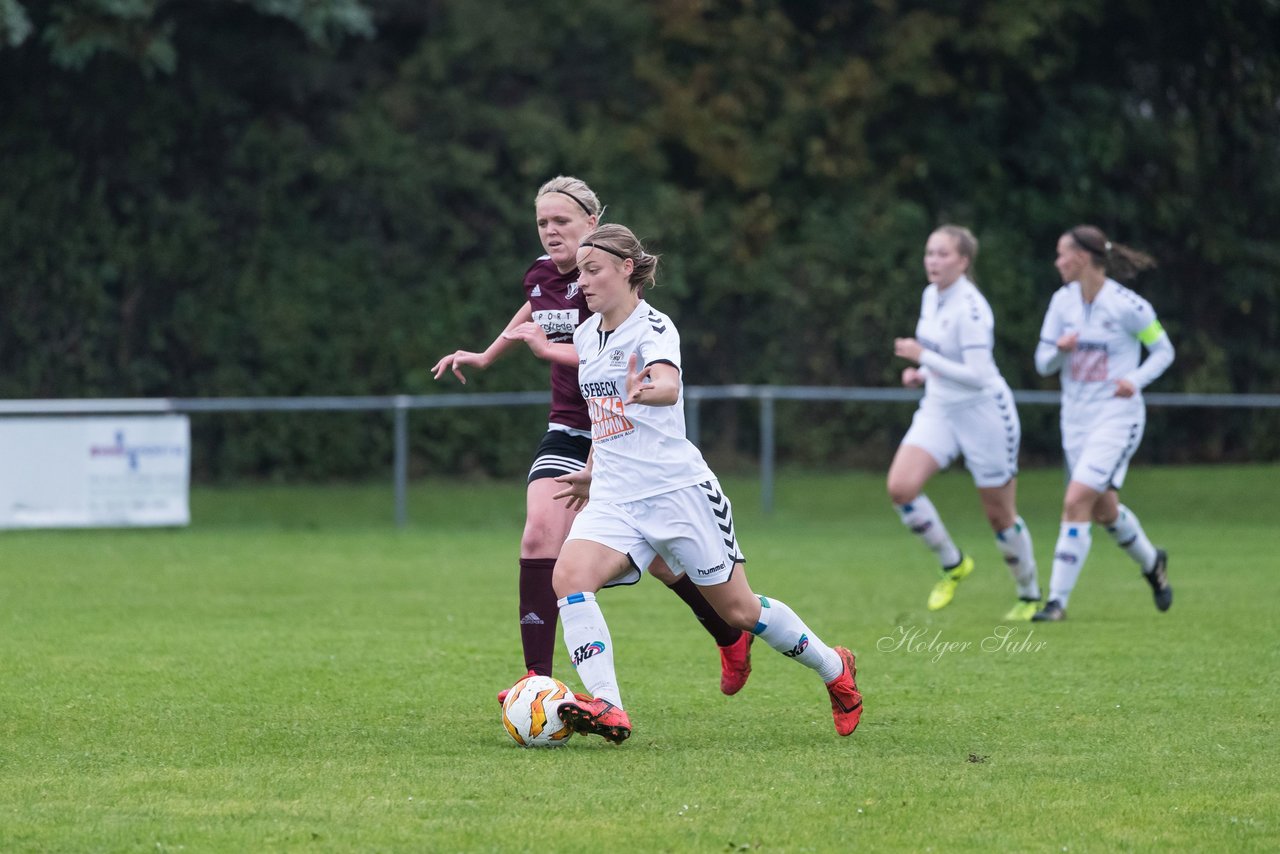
point(738, 617)
point(567, 579)
point(903, 493)
point(742, 614)
point(1001, 520)
point(1106, 516)
point(541, 543)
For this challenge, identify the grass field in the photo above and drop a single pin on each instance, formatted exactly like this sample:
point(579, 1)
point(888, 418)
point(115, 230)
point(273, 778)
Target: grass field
point(291, 673)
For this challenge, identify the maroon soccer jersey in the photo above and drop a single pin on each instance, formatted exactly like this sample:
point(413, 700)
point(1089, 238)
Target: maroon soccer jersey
point(558, 307)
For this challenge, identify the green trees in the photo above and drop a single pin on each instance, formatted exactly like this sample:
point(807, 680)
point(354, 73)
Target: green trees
point(274, 197)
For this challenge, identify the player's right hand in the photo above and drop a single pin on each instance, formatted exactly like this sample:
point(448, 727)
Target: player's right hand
point(577, 489)
point(1067, 341)
point(911, 378)
point(532, 334)
point(908, 348)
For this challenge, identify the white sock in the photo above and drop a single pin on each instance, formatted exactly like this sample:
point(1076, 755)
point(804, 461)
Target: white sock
point(781, 629)
point(1068, 559)
point(590, 648)
point(922, 518)
point(1128, 534)
point(1014, 543)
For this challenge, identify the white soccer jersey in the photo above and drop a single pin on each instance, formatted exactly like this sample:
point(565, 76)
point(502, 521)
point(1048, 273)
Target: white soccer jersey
point(640, 450)
point(1112, 330)
point(957, 330)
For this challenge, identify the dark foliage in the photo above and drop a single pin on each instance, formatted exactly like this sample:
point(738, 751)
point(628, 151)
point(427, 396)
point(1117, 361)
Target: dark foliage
point(274, 198)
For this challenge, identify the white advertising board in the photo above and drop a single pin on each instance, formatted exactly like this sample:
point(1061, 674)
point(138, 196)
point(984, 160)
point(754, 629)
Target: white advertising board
point(95, 472)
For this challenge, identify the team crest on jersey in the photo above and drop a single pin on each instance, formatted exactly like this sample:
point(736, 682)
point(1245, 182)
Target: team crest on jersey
point(573, 290)
point(615, 358)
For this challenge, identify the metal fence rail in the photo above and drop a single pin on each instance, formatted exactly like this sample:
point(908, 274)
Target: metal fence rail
point(400, 405)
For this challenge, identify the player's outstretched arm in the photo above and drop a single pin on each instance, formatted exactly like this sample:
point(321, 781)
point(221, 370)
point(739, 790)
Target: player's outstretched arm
point(459, 359)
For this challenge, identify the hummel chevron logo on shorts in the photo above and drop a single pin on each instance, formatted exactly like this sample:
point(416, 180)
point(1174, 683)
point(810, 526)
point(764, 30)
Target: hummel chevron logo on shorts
point(720, 507)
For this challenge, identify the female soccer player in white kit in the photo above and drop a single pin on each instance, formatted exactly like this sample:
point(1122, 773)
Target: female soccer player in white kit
point(967, 409)
point(1092, 337)
point(651, 489)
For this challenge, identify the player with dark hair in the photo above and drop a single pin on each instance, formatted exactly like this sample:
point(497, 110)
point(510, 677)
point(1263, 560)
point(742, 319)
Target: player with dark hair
point(1092, 337)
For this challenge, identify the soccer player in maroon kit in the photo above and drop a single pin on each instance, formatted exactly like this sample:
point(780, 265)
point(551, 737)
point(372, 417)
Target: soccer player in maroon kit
point(566, 210)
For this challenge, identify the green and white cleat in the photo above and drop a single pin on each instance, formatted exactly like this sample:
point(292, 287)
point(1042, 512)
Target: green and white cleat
point(1023, 611)
point(945, 590)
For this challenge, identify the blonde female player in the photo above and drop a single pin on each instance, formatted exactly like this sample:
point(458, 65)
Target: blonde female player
point(566, 209)
point(650, 489)
point(1092, 337)
point(967, 409)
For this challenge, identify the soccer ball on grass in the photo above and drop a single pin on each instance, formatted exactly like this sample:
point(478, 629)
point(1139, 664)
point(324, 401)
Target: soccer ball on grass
point(530, 714)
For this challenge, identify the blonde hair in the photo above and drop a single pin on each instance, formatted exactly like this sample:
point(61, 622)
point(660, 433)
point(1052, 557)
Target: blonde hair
point(1115, 258)
point(966, 243)
point(576, 189)
point(621, 243)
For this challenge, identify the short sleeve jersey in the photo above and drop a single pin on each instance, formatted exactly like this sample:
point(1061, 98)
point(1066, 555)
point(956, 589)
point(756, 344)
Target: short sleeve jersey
point(640, 451)
point(954, 320)
point(1111, 331)
point(559, 307)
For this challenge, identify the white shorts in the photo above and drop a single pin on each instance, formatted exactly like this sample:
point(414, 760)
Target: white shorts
point(1098, 456)
point(987, 433)
point(692, 528)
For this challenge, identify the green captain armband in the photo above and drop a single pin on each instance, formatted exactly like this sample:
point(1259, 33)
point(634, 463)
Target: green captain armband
point(1151, 333)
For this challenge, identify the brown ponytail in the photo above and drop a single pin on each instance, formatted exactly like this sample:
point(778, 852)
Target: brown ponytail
point(620, 242)
point(1123, 262)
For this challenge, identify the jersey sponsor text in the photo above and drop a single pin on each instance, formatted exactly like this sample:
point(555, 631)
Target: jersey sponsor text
point(608, 418)
point(1089, 362)
point(557, 324)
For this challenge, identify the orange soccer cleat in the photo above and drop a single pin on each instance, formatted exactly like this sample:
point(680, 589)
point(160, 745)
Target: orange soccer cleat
point(846, 702)
point(735, 664)
point(589, 715)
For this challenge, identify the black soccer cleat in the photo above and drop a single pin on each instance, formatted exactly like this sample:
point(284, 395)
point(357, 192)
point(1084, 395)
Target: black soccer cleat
point(1158, 578)
point(1052, 612)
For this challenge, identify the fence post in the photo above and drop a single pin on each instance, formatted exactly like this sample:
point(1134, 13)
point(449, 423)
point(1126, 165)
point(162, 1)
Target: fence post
point(692, 414)
point(767, 449)
point(400, 465)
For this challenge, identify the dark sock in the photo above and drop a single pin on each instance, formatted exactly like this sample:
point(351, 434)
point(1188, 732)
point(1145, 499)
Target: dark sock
point(538, 613)
point(715, 625)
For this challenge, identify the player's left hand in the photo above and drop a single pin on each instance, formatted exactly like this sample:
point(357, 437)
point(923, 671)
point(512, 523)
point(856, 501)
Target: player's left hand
point(1124, 388)
point(638, 381)
point(907, 348)
point(530, 333)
